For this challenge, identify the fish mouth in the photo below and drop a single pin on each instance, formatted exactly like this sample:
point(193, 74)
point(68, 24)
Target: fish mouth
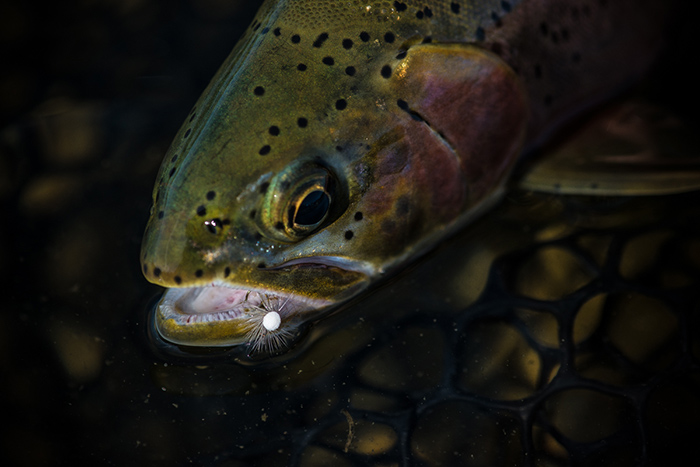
point(264, 314)
point(223, 315)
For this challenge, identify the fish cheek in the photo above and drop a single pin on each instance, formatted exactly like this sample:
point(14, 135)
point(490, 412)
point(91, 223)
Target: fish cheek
point(473, 100)
point(417, 187)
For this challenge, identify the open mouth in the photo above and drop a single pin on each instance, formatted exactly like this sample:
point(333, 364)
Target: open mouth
point(216, 303)
point(222, 315)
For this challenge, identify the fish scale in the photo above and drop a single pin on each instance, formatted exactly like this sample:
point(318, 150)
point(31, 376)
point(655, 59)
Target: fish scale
point(341, 139)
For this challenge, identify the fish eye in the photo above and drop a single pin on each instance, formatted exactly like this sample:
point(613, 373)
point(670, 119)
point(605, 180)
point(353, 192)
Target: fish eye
point(298, 202)
point(313, 209)
point(309, 203)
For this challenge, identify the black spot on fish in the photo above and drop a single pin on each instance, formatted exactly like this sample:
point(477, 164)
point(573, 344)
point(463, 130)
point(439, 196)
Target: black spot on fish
point(386, 72)
point(339, 148)
point(257, 26)
point(358, 216)
point(172, 172)
point(263, 188)
point(257, 236)
point(296, 39)
point(259, 91)
point(302, 122)
point(320, 39)
point(274, 130)
point(400, 6)
point(349, 234)
point(201, 211)
point(187, 133)
point(328, 61)
point(156, 272)
point(403, 105)
point(301, 67)
point(401, 55)
point(454, 7)
point(389, 37)
point(341, 104)
point(427, 40)
point(261, 265)
point(505, 6)
point(279, 226)
point(265, 31)
point(178, 280)
point(347, 44)
point(192, 117)
point(428, 12)
point(174, 158)
point(419, 14)
point(252, 214)
point(364, 36)
point(211, 195)
point(480, 34)
point(277, 32)
point(350, 71)
point(199, 273)
point(161, 214)
point(265, 150)
point(227, 271)
point(145, 268)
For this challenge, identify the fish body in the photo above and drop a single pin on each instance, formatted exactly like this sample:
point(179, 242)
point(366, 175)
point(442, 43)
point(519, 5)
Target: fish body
point(342, 138)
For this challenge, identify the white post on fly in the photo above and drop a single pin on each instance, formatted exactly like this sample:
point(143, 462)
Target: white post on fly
point(266, 331)
point(271, 321)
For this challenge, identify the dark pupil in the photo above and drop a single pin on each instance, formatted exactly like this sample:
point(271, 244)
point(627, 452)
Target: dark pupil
point(313, 208)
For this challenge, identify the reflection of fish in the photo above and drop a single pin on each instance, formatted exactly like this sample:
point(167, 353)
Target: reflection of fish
point(342, 138)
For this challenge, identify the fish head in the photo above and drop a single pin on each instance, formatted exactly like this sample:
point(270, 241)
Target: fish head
point(304, 173)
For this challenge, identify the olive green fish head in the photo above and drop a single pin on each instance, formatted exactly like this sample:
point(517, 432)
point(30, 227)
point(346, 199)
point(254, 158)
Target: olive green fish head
point(317, 160)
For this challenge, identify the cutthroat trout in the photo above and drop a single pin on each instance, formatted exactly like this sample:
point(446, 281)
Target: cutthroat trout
point(341, 139)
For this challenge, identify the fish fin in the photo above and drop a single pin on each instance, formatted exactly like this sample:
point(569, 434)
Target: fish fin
point(476, 104)
point(631, 148)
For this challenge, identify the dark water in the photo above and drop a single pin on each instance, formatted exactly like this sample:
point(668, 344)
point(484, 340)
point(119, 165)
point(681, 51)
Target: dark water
point(554, 331)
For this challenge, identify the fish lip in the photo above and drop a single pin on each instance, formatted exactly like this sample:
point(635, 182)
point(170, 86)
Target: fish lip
point(346, 264)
